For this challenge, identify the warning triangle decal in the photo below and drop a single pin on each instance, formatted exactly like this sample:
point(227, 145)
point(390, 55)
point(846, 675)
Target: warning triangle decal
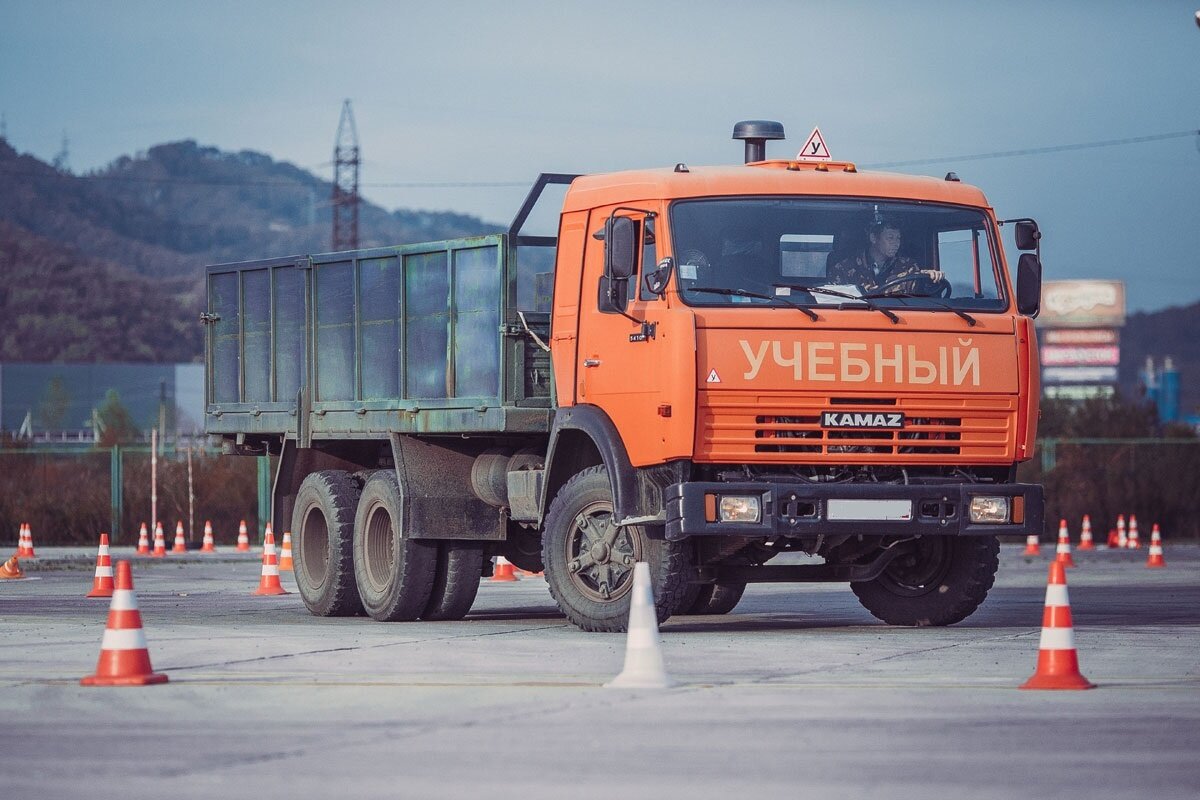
point(814, 149)
point(713, 377)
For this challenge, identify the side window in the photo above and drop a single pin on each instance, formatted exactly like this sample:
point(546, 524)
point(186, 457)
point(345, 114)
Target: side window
point(649, 261)
point(964, 256)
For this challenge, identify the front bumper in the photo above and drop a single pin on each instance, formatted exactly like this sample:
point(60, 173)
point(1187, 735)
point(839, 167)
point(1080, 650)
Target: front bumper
point(803, 509)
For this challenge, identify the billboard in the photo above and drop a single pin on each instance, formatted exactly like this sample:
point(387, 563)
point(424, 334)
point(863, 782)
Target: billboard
point(1084, 355)
point(1053, 375)
point(1079, 336)
point(1082, 304)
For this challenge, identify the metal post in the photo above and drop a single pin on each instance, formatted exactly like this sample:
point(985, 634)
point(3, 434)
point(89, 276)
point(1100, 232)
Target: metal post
point(153, 477)
point(264, 496)
point(117, 489)
point(191, 500)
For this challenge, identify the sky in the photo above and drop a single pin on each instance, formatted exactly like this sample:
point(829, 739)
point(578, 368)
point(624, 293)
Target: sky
point(486, 93)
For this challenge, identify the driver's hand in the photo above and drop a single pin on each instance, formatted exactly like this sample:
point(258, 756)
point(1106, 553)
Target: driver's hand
point(934, 275)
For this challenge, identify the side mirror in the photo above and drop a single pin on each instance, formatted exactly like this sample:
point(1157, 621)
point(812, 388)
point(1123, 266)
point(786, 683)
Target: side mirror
point(620, 247)
point(1027, 235)
point(656, 281)
point(1029, 284)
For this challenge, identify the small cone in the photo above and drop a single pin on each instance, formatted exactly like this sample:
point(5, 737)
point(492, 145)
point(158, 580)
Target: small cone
point(102, 583)
point(285, 553)
point(1134, 542)
point(1156, 551)
point(1032, 545)
point(124, 658)
point(208, 546)
point(644, 667)
point(269, 582)
point(1113, 541)
point(11, 570)
point(143, 548)
point(1122, 542)
point(1085, 534)
point(25, 542)
point(180, 542)
point(267, 531)
point(243, 544)
point(1058, 662)
point(1063, 551)
point(160, 542)
point(504, 571)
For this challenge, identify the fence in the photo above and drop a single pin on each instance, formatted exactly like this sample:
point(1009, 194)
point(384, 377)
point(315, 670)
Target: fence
point(1156, 479)
point(69, 495)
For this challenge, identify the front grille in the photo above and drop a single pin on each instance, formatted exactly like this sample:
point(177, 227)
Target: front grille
point(737, 427)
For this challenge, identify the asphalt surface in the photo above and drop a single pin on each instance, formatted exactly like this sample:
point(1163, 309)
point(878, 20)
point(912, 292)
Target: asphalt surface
point(798, 692)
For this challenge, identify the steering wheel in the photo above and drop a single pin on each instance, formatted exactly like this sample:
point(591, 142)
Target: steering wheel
point(924, 285)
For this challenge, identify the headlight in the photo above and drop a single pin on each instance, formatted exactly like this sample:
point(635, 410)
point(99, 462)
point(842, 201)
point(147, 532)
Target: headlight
point(989, 509)
point(740, 508)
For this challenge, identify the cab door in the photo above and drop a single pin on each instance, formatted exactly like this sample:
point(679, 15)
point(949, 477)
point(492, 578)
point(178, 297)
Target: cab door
point(636, 357)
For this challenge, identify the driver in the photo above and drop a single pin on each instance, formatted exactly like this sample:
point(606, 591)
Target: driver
point(878, 265)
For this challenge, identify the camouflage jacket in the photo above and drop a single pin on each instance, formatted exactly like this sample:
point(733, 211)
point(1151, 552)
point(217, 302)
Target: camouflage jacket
point(857, 270)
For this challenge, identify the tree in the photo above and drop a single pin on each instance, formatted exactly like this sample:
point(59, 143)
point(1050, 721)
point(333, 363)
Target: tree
point(56, 402)
point(116, 424)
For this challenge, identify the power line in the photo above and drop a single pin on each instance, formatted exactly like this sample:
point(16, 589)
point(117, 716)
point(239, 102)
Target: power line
point(1034, 151)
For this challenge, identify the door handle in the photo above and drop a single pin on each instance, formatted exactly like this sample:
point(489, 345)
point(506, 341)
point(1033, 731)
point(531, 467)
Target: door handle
point(591, 362)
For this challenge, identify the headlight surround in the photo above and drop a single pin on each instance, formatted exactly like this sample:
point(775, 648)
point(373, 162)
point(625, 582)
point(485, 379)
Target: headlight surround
point(739, 508)
point(988, 509)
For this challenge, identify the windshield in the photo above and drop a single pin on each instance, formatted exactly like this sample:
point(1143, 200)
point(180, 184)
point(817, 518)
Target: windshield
point(816, 252)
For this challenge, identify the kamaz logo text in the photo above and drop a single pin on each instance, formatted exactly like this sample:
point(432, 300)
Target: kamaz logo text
point(853, 362)
point(860, 419)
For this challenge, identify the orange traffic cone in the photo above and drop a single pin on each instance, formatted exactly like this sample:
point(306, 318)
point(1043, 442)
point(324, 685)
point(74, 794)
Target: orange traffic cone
point(1122, 542)
point(102, 583)
point(1134, 541)
point(1032, 545)
point(143, 542)
point(180, 542)
point(207, 546)
point(504, 571)
point(1113, 541)
point(269, 582)
point(1063, 552)
point(1085, 534)
point(1156, 551)
point(160, 542)
point(285, 553)
point(124, 658)
point(267, 531)
point(243, 544)
point(1058, 662)
point(11, 570)
point(25, 542)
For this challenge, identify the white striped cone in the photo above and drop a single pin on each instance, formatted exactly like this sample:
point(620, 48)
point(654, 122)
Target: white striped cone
point(1058, 661)
point(207, 545)
point(25, 542)
point(1032, 545)
point(180, 541)
point(124, 657)
point(1156, 551)
point(268, 535)
point(1122, 540)
point(243, 543)
point(143, 548)
point(285, 553)
point(102, 583)
point(1063, 551)
point(160, 541)
point(269, 582)
point(1085, 534)
point(644, 668)
point(1134, 542)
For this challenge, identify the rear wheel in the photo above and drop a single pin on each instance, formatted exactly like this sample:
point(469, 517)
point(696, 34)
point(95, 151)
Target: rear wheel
point(459, 569)
point(938, 580)
point(589, 560)
point(395, 573)
point(323, 524)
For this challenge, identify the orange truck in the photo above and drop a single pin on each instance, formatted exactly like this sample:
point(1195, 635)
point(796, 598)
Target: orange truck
point(706, 369)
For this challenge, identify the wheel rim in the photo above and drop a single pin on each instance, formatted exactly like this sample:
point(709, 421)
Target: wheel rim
point(920, 570)
point(379, 547)
point(314, 547)
point(600, 556)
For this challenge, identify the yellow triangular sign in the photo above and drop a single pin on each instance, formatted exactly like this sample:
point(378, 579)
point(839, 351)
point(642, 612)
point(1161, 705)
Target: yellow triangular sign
point(814, 149)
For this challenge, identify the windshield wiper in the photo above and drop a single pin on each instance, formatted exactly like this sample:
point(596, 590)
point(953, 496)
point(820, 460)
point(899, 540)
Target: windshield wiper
point(743, 293)
point(970, 320)
point(865, 299)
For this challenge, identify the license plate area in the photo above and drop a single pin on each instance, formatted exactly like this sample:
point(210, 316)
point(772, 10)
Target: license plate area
point(870, 510)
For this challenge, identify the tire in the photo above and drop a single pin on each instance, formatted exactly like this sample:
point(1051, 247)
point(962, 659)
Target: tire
point(323, 524)
point(395, 573)
point(716, 598)
point(596, 598)
point(456, 582)
point(941, 582)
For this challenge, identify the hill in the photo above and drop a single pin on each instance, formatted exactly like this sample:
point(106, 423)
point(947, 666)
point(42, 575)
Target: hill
point(80, 251)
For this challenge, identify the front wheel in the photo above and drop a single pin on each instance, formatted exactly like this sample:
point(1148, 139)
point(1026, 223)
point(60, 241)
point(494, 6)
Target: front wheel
point(589, 560)
point(937, 580)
